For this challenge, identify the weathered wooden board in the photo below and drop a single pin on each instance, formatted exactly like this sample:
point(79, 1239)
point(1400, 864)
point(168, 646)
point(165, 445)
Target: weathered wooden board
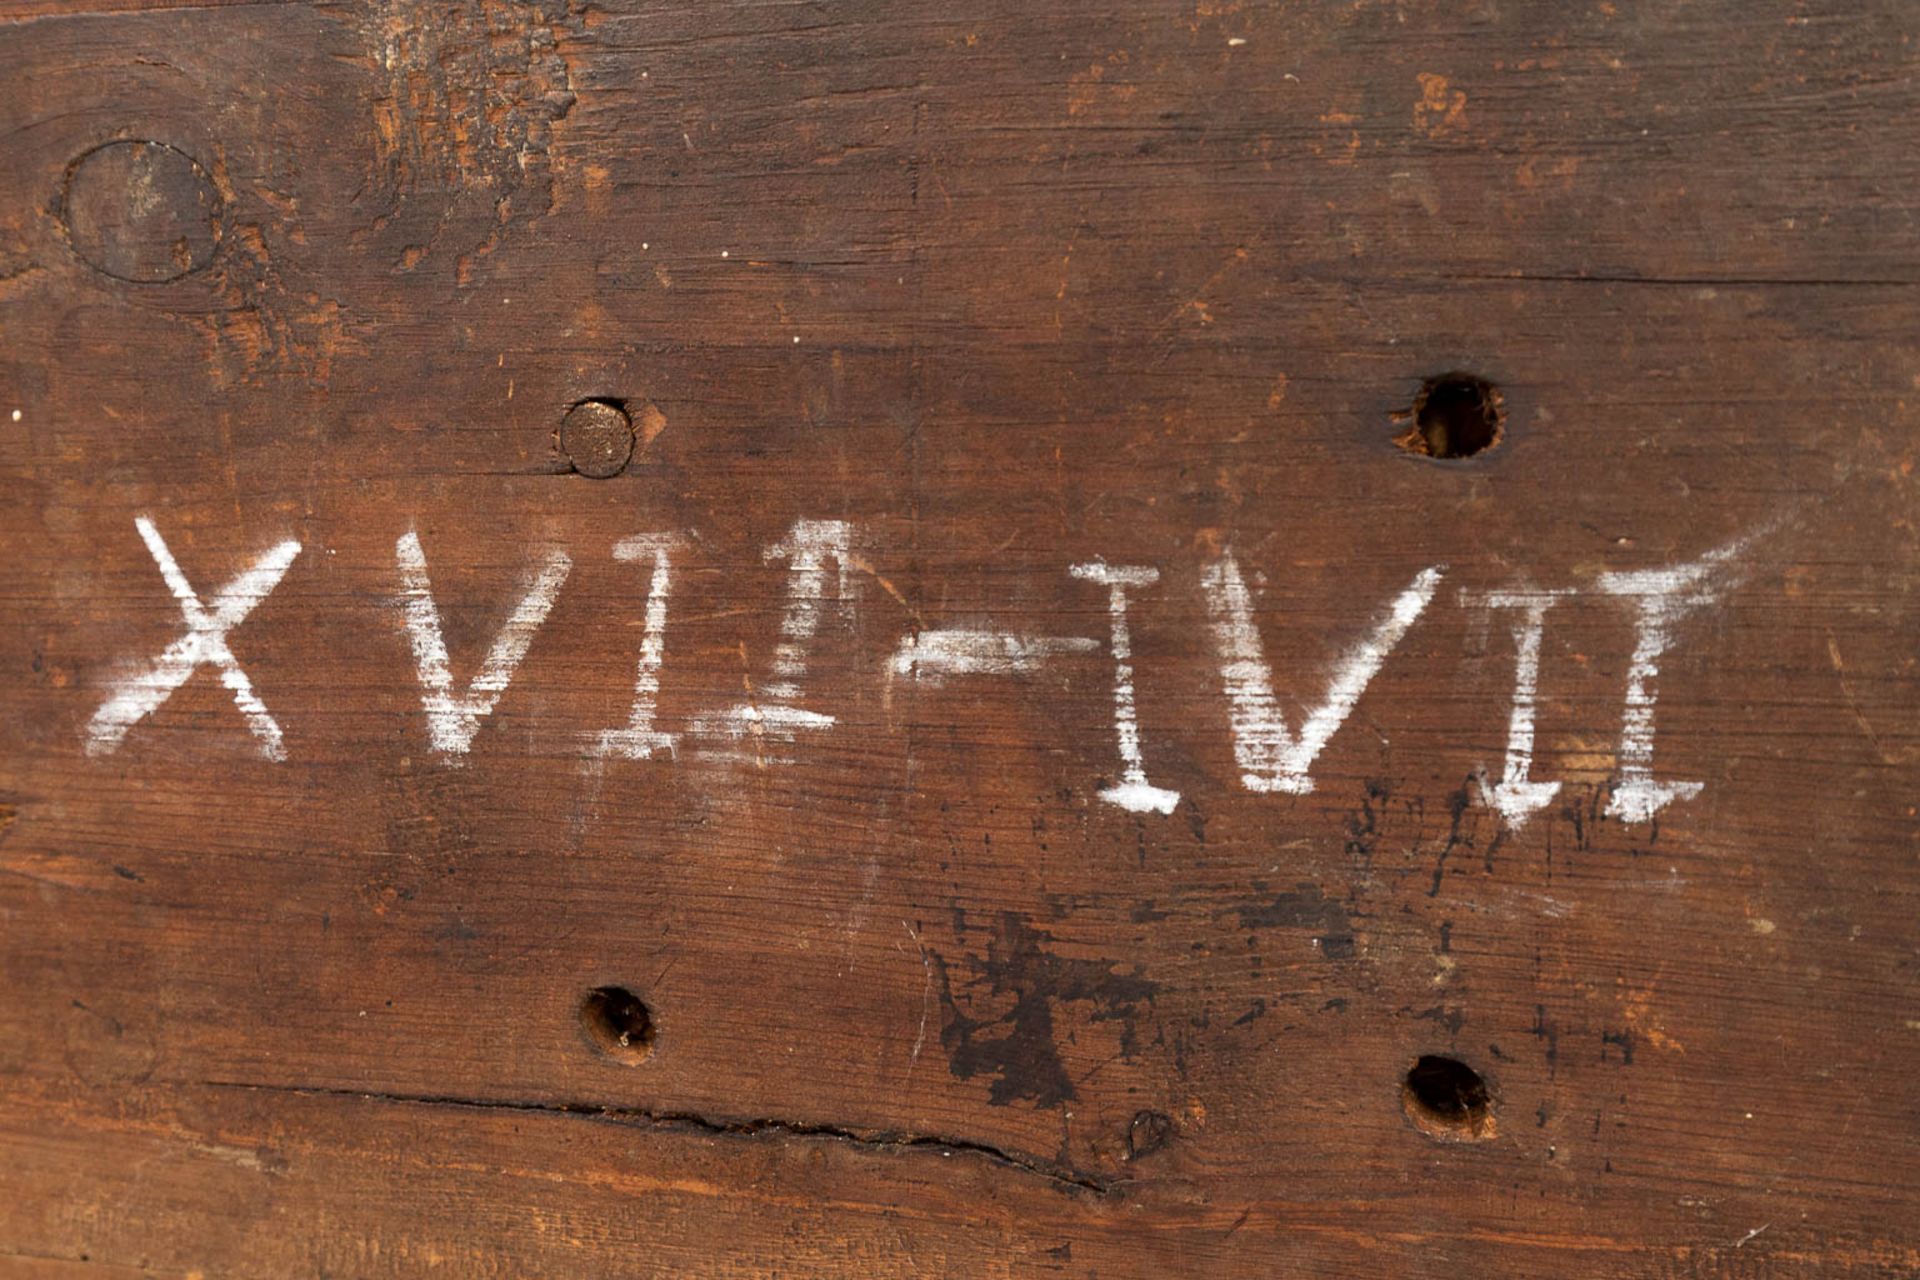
point(1075, 762)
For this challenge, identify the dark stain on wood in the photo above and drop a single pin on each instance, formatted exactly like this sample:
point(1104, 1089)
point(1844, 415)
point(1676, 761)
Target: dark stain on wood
point(1305, 907)
point(1018, 1047)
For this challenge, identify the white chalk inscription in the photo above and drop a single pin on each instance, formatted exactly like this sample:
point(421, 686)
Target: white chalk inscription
point(1270, 754)
point(204, 642)
point(1270, 757)
point(1516, 795)
point(452, 721)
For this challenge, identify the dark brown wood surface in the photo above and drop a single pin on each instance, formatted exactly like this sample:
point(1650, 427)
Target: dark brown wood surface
point(990, 291)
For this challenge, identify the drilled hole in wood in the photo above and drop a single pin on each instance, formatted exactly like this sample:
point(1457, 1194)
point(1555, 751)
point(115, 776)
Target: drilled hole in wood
point(618, 1022)
point(1456, 415)
point(1445, 1098)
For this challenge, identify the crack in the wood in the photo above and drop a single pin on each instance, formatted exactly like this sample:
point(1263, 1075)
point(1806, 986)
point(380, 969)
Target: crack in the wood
point(1705, 282)
point(143, 8)
point(1064, 1176)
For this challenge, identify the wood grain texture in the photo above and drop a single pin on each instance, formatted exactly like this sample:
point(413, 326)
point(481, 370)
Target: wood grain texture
point(1003, 289)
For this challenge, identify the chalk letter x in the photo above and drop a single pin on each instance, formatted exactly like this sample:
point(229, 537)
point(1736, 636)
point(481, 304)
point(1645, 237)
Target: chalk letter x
point(205, 642)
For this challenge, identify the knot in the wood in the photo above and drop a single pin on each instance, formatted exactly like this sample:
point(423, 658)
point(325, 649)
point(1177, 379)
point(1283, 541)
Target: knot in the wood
point(1149, 1132)
point(143, 212)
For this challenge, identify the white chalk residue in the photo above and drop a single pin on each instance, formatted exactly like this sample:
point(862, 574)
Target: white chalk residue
point(453, 721)
point(1516, 796)
point(205, 642)
point(806, 550)
point(1269, 756)
point(773, 716)
point(638, 739)
point(773, 720)
point(1661, 598)
point(931, 656)
point(1134, 792)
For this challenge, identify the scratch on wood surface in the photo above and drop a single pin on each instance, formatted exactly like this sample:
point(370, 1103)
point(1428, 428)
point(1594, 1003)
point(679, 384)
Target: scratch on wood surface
point(926, 999)
point(1904, 756)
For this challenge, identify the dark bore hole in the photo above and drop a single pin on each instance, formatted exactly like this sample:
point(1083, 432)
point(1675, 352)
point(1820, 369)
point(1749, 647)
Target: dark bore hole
point(1455, 416)
point(1447, 1098)
point(618, 1023)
